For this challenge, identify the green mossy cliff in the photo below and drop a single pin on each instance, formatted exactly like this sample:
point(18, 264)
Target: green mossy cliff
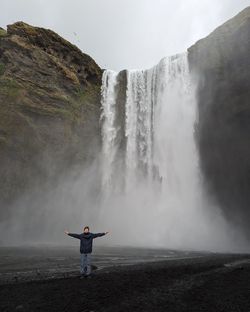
point(221, 63)
point(49, 108)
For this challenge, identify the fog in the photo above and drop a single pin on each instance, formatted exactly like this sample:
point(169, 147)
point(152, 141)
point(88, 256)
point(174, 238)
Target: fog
point(127, 34)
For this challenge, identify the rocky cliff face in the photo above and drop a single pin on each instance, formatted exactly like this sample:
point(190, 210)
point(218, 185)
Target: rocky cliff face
point(222, 64)
point(49, 108)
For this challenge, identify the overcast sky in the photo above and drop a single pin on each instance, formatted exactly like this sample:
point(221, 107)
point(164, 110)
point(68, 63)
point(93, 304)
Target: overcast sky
point(125, 33)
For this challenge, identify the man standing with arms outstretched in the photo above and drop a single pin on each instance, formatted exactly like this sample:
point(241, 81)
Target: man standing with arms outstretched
point(86, 242)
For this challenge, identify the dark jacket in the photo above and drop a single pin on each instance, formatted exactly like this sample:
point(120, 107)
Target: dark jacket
point(86, 241)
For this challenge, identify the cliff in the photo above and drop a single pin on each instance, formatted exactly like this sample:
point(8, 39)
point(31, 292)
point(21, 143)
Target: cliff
point(49, 108)
point(221, 64)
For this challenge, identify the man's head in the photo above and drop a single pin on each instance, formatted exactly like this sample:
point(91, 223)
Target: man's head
point(86, 230)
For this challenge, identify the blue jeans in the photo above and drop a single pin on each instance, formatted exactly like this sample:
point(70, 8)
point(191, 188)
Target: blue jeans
point(85, 267)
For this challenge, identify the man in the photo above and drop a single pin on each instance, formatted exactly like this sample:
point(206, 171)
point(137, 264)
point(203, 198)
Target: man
point(86, 242)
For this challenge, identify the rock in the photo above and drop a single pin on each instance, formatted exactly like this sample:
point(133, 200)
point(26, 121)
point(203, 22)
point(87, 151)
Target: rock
point(49, 108)
point(221, 64)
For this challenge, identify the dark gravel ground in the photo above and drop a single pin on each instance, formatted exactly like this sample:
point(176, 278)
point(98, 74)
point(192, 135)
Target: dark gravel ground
point(212, 283)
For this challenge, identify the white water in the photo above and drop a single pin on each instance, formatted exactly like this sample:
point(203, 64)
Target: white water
point(151, 185)
point(109, 148)
point(162, 91)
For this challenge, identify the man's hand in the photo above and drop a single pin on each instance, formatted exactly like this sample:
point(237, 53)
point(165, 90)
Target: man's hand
point(106, 233)
point(66, 232)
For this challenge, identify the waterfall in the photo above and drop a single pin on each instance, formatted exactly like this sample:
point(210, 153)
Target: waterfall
point(146, 92)
point(150, 164)
point(109, 130)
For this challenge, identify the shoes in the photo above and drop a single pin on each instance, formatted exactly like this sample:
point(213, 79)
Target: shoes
point(85, 276)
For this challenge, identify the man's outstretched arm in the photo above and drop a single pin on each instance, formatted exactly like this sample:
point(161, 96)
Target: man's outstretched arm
point(72, 234)
point(99, 234)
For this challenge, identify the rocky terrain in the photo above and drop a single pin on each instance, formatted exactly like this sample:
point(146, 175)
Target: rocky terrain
point(222, 65)
point(49, 108)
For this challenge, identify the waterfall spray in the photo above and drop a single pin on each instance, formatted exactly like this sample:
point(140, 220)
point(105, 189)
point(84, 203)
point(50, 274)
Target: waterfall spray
point(153, 178)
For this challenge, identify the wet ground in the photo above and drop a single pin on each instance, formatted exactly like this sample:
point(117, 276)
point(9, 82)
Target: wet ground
point(47, 262)
point(127, 279)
